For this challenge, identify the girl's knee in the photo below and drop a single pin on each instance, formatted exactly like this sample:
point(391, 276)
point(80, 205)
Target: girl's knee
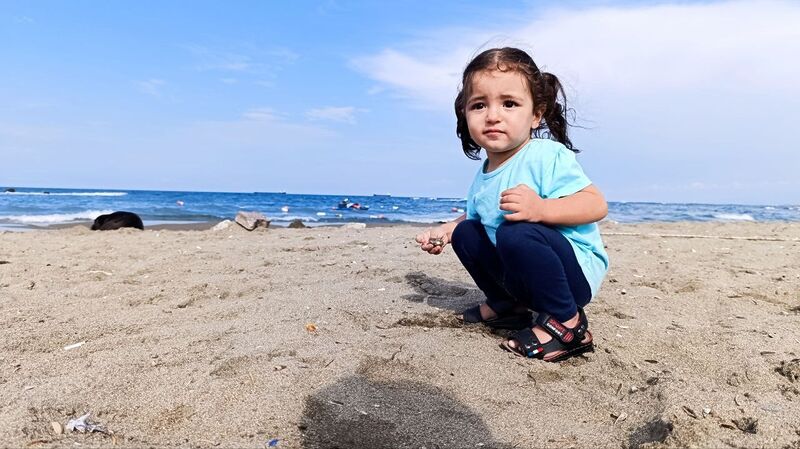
point(511, 235)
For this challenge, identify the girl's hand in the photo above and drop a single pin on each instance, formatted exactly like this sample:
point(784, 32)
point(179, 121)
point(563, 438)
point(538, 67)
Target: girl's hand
point(523, 203)
point(433, 240)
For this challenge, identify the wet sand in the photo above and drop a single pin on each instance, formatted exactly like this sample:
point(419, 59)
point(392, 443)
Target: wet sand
point(331, 337)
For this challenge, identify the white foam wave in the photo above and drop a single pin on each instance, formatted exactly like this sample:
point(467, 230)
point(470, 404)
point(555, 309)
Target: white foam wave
point(44, 220)
point(735, 217)
point(289, 218)
point(449, 200)
point(67, 193)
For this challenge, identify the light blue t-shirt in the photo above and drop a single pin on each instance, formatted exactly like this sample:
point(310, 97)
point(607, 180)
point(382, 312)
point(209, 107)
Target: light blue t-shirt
point(550, 169)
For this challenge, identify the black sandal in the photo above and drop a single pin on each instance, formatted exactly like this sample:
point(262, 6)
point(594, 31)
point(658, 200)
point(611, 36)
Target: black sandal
point(570, 341)
point(510, 320)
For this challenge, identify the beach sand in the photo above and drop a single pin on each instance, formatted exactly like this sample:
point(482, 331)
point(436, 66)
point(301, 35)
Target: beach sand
point(332, 337)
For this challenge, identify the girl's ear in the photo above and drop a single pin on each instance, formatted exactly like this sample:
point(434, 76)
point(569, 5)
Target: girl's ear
point(538, 113)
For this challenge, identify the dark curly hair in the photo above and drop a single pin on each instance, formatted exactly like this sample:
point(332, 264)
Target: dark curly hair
point(546, 92)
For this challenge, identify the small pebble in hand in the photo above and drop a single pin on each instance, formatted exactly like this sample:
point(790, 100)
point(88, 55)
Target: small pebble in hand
point(436, 241)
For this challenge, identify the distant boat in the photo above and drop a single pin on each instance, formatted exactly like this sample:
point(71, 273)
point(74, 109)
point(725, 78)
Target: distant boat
point(386, 195)
point(346, 204)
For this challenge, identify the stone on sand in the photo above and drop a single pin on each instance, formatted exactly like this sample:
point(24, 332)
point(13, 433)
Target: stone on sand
point(252, 220)
point(222, 225)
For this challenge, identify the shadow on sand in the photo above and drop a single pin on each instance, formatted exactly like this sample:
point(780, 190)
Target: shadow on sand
point(357, 412)
point(441, 293)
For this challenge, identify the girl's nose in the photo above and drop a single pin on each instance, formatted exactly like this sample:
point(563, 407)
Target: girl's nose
point(492, 114)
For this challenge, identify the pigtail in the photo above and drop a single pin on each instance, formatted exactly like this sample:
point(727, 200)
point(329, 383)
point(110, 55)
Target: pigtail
point(550, 93)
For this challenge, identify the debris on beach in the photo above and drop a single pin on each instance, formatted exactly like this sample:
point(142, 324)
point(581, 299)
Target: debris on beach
point(311, 327)
point(74, 345)
point(83, 425)
point(746, 425)
point(790, 370)
point(58, 428)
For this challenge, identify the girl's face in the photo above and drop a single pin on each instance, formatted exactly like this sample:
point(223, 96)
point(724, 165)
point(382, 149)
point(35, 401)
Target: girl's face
point(500, 113)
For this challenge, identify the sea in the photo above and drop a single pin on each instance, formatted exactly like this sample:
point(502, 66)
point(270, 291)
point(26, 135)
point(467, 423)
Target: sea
point(29, 208)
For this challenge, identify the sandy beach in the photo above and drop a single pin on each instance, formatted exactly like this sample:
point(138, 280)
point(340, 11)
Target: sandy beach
point(346, 338)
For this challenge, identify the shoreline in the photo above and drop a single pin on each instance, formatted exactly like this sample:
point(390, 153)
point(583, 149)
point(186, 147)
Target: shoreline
point(207, 225)
point(204, 226)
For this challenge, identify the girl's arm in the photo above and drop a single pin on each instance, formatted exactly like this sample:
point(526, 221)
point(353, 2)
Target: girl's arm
point(444, 231)
point(585, 206)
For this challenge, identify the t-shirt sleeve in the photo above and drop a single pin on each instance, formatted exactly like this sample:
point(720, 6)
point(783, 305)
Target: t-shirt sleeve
point(562, 175)
point(470, 209)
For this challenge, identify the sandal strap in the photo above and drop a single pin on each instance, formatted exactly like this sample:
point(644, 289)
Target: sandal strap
point(564, 338)
point(527, 343)
point(472, 315)
point(563, 333)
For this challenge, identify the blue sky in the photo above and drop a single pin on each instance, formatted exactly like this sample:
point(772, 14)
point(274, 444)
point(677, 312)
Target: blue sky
point(678, 101)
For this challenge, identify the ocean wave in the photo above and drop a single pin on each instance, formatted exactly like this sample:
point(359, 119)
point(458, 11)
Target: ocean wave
point(735, 217)
point(66, 193)
point(87, 215)
point(449, 200)
point(428, 219)
point(290, 218)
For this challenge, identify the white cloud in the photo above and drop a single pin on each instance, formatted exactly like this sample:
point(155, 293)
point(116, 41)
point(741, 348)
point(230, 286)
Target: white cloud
point(265, 83)
point(346, 114)
point(731, 45)
point(668, 93)
point(428, 82)
point(151, 87)
point(245, 58)
point(23, 19)
point(260, 114)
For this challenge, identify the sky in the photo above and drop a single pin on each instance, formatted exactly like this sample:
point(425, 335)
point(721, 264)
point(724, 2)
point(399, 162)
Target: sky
point(674, 101)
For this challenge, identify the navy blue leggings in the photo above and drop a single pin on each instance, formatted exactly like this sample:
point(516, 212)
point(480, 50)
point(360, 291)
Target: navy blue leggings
point(533, 266)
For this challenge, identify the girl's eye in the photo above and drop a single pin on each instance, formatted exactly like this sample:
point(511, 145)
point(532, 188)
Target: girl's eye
point(509, 104)
point(476, 106)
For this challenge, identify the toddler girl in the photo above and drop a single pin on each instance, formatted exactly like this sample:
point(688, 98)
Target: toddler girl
point(529, 237)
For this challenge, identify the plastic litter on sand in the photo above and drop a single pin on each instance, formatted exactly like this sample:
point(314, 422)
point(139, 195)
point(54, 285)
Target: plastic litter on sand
point(83, 425)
